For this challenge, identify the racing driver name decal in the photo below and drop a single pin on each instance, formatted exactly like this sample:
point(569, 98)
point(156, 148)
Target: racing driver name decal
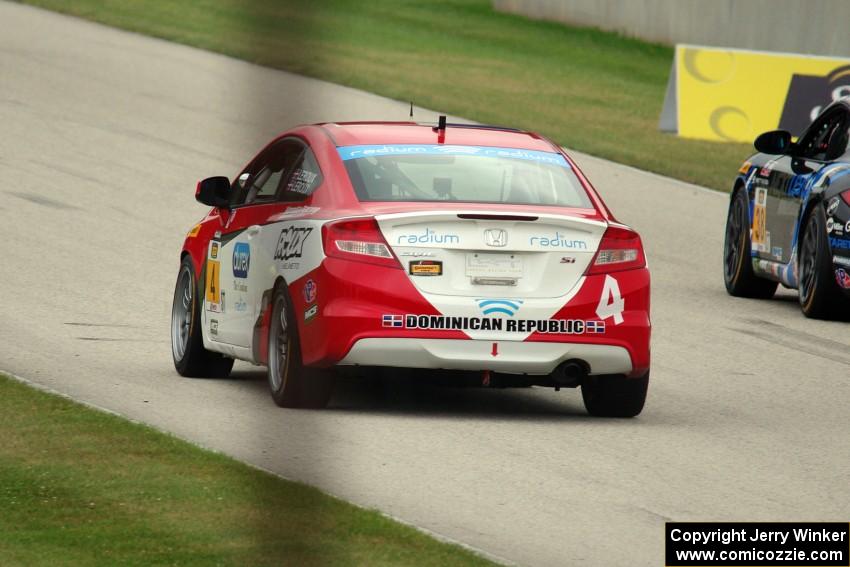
point(449, 323)
point(290, 244)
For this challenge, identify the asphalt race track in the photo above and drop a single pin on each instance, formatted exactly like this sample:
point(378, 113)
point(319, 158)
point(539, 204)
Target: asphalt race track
point(103, 136)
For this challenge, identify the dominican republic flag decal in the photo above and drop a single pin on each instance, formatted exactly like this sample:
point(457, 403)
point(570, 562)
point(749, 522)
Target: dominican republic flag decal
point(595, 327)
point(393, 321)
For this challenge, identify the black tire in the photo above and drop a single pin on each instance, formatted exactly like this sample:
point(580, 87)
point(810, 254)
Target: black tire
point(819, 294)
point(614, 395)
point(291, 384)
point(738, 273)
point(190, 357)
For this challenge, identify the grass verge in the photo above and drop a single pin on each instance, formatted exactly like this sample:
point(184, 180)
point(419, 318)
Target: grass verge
point(589, 90)
point(81, 487)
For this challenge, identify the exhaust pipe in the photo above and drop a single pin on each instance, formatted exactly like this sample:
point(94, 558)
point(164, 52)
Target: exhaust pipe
point(570, 374)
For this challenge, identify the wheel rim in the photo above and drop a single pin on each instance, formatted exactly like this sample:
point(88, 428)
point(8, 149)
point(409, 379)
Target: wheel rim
point(734, 240)
point(278, 346)
point(181, 314)
point(808, 257)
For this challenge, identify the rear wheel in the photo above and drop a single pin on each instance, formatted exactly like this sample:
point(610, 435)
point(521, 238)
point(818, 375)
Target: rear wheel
point(187, 344)
point(738, 273)
point(820, 297)
point(291, 384)
point(614, 395)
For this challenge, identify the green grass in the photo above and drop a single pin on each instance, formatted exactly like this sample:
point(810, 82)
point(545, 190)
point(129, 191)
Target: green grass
point(589, 90)
point(81, 487)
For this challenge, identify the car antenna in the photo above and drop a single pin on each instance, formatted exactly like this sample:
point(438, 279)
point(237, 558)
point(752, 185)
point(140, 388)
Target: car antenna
point(441, 129)
point(411, 109)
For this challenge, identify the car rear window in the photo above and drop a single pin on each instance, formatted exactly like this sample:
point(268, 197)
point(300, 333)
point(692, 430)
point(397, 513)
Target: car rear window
point(470, 174)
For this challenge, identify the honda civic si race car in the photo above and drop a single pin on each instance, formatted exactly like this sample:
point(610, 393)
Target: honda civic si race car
point(789, 217)
point(479, 250)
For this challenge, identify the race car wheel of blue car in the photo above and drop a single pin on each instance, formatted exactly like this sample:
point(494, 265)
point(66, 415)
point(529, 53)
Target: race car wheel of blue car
point(291, 384)
point(187, 344)
point(738, 273)
point(820, 297)
point(614, 395)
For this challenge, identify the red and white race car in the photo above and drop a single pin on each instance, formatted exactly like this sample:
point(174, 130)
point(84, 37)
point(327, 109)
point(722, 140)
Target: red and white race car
point(448, 247)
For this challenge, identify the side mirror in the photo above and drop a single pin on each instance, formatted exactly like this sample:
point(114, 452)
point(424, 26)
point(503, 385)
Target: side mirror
point(214, 191)
point(775, 142)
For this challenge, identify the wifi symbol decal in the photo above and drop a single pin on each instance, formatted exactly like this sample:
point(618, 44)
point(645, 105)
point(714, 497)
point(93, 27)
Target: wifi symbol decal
point(507, 306)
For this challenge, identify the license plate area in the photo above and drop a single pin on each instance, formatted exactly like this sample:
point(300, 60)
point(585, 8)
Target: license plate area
point(484, 265)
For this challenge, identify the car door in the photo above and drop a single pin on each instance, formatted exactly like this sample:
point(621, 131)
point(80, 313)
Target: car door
point(785, 178)
point(256, 200)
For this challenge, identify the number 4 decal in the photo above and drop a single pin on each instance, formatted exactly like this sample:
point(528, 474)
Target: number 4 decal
point(213, 287)
point(611, 304)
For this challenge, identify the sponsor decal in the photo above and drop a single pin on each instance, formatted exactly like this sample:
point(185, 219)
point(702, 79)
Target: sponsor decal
point(495, 237)
point(776, 252)
point(745, 167)
point(214, 327)
point(290, 243)
point(310, 290)
point(241, 259)
point(241, 305)
point(557, 240)
point(416, 254)
point(194, 232)
point(843, 278)
point(841, 260)
point(832, 206)
point(355, 152)
point(568, 260)
point(428, 237)
point(450, 323)
point(293, 212)
point(214, 249)
point(425, 268)
point(231, 218)
point(240, 286)
point(830, 224)
point(507, 307)
point(213, 289)
point(301, 181)
point(839, 244)
point(311, 312)
point(764, 172)
point(847, 227)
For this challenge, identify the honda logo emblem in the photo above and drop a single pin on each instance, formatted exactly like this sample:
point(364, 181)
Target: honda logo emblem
point(495, 237)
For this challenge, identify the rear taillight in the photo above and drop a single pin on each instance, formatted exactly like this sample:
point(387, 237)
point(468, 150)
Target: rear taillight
point(359, 240)
point(619, 250)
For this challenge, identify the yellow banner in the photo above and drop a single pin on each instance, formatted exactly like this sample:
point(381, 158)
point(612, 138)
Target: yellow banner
point(734, 95)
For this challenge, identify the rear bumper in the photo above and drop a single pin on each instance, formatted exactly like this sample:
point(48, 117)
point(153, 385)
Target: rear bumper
point(508, 357)
point(347, 327)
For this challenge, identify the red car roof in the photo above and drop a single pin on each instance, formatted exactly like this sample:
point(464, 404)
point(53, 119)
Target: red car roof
point(372, 133)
